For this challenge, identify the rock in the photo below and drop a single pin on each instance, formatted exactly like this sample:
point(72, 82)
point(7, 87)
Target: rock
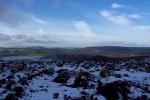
point(112, 91)
point(55, 95)
point(11, 96)
point(63, 77)
point(19, 91)
point(105, 73)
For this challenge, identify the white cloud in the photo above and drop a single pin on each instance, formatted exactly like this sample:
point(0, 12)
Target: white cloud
point(125, 19)
point(41, 31)
point(142, 28)
point(116, 5)
point(83, 27)
point(35, 19)
point(134, 16)
point(119, 19)
point(7, 30)
point(105, 13)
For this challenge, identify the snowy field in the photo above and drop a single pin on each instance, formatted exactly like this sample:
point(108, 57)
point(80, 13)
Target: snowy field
point(36, 78)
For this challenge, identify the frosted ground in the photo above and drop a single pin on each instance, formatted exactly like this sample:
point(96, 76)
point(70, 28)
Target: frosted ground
point(44, 78)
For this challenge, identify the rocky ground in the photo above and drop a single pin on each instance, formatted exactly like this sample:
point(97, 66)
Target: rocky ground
point(72, 79)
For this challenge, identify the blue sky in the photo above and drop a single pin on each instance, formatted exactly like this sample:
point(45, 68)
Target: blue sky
point(74, 23)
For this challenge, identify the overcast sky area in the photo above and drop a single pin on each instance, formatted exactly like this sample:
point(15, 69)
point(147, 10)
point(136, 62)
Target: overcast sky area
point(74, 23)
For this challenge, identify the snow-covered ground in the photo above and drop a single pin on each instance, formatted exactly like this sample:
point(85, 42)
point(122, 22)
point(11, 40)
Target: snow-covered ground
point(12, 58)
point(55, 79)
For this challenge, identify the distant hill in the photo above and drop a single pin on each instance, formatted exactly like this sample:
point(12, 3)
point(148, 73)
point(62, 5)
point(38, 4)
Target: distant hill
point(111, 51)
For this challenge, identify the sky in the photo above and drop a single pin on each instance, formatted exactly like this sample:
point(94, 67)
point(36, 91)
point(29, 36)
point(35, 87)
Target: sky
point(74, 23)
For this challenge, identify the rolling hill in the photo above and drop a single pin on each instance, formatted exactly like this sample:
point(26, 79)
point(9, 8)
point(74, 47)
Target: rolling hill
point(110, 51)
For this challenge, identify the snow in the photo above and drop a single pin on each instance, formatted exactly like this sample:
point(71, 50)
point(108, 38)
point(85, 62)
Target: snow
point(43, 87)
point(139, 76)
point(11, 58)
point(51, 89)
